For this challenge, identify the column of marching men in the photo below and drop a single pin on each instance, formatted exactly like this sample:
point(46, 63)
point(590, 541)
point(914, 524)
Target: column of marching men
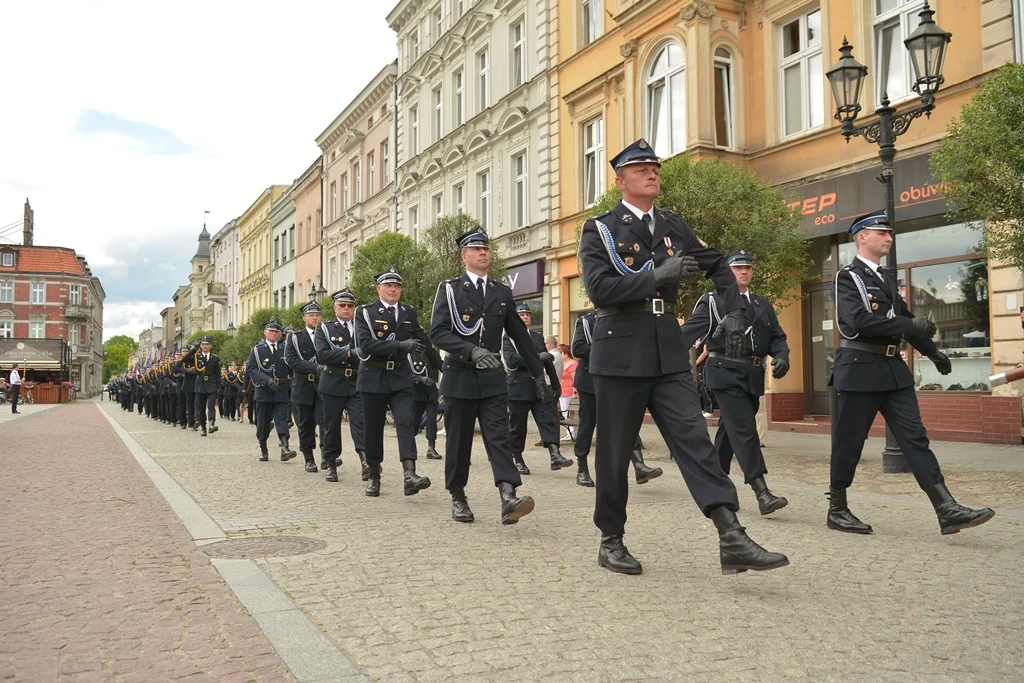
point(377, 360)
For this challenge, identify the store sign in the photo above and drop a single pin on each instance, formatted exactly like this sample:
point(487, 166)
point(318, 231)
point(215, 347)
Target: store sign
point(828, 206)
point(578, 299)
point(526, 279)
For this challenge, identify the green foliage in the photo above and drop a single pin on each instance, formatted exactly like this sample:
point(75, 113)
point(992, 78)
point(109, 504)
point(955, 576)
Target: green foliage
point(441, 236)
point(414, 262)
point(217, 339)
point(729, 208)
point(981, 161)
point(121, 339)
point(115, 355)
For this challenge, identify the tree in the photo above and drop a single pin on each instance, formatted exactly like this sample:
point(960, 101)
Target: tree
point(981, 163)
point(730, 209)
point(441, 236)
point(218, 339)
point(414, 262)
point(115, 355)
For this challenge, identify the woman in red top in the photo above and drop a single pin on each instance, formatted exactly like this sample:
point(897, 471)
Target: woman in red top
point(568, 374)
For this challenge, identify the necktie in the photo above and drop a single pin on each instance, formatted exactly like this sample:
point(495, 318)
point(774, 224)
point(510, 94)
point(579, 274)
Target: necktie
point(394, 313)
point(347, 328)
point(273, 348)
point(480, 287)
point(649, 221)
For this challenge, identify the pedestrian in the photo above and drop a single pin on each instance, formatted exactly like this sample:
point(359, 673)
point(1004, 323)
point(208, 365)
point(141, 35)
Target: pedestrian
point(551, 346)
point(569, 365)
point(15, 382)
point(470, 314)
point(269, 375)
point(300, 356)
point(738, 381)
point(207, 381)
point(633, 258)
point(871, 377)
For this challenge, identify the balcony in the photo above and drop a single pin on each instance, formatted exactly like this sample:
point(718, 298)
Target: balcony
point(77, 312)
point(217, 292)
point(81, 349)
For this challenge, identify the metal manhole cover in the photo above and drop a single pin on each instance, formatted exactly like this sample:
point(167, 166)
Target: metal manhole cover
point(269, 546)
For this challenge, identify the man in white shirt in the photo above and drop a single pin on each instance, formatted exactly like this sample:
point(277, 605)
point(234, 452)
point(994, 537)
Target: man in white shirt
point(15, 388)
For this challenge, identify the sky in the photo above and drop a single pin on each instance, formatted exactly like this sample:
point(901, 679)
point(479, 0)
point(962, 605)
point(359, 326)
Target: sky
point(122, 122)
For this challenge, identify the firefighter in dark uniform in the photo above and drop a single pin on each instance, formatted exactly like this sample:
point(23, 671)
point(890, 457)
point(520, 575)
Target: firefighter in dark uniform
point(269, 374)
point(870, 376)
point(300, 355)
point(232, 392)
point(207, 381)
point(738, 381)
point(335, 349)
point(469, 316)
point(138, 390)
point(187, 412)
point(633, 258)
point(166, 386)
point(425, 374)
point(179, 388)
point(222, 388)
point(523, 398)
point(583, 382)
point(249, 390)
point(387, 331)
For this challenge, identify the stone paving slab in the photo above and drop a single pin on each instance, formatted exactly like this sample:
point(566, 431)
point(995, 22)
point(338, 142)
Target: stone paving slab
point(410, 595)
point(99, 580)
point(25, 412)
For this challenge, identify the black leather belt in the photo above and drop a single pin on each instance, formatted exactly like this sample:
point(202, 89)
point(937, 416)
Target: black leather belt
point(341, 372)
point(655, 306)
point(744, 360)
point(888, 351)
point(385, 365)
point(311, 377)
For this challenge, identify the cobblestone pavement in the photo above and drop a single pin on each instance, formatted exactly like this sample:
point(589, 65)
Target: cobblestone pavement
point(410, 595)
point(99, 581)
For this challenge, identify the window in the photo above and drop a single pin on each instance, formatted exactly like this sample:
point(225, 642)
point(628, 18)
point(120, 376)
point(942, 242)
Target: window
point(518, 57)
point(414, 130)
point(437, 202)
point(483, 188)
point(8, 259)
point(291, 242)
point(438, 24)
point(291, 294)
point(6, 291)
point(334, 200)
point(460, 8)
point(458, 91)
point(277, 254)
point(483, 94)
point(519, 195)
point(591, 15)
point(435, 97)
point(723, 98)
point(666, 101)
point(371, 172)
point(345, 194)
point(414, 223)
point(277, 302)
point(593, 161)
point(37, 330)
point(459, 199)
point(357, 177)
point(6, 330)
point(414, 45)
point(893, 21)
point(803, 106)
point(74, 335)
point(385, 178)
point(38, 293)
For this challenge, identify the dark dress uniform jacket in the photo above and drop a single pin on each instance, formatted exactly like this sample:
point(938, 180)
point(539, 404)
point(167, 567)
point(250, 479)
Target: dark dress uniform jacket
point(188, 366)
point(865, 317)
point(460, 377)
point(425, 365)
point(582, 339)
point(374, 327)
point(302, 361)
point(207, 374)
point(262, 365)
point(342, 365)
point(765, 338)
point(519, 380)
point(636, 344)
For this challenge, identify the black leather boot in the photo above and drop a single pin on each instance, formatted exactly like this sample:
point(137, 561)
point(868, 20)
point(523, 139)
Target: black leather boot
point(432, 453)
point(614, 557)
point(413, 482)
point(521, 467)
point(952, 515)
point(323, 462)
point(643, 473)
point(513, 508)
point(365, 467)
point(310, 462)
point(195, 427)
point(286, 453)
point(264, 453)
point(460, 507)
point(213, 427)
point(767, 501)
point(332, 472)
point(839, 516)
point(557, 460)
point(203, 433)
point(583, 473)
point(373, 481)
point(736, 550)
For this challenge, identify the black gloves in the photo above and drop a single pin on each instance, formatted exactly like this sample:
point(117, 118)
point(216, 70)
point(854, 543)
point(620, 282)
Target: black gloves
point(546, 356)
point(780, 366)
point(544, 392)
point(273, 384)
point(321, 369)
point(674, 269)
point(732, 329)
point(484, 359)
point(425, 381)
point(411, 346)
point(942, 363)
point(924, 327)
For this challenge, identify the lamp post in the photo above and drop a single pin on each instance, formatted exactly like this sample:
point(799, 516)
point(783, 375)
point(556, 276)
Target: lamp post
point(231, 330)
point(317, 291)
point(927, 47)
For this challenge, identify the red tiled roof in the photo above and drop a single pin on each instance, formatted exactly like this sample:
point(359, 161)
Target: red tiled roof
point(42, 260)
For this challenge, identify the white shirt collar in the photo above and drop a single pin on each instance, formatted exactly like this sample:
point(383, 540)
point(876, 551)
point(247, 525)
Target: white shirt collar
point(874, 266)
point(474, 277)
point(638, 212)
point(311, 331)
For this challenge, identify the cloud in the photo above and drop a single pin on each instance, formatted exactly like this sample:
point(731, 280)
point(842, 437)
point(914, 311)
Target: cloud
point(152, 139)
point(130, 317)
point(166, 267)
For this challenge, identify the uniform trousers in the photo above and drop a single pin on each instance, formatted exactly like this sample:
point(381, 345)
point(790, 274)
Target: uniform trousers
point(544, 414)
point(172, 404)
point(306, 420)
point(271, 415)
point(857, 410)
point(250, 403)
point(428, 408)
point(737, 433)
point(330, 433)
point(206, 407)
point(675, 407)
point(460, 417)
point(230, 406)
point(588, 420)
point(375, 408)
point(187, 411)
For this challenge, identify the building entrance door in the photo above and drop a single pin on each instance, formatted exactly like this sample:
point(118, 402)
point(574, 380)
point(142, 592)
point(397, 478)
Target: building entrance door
point(819, 346)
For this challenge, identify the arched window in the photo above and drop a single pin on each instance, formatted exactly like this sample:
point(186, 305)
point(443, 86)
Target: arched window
point(666, 101)
point(723, 98)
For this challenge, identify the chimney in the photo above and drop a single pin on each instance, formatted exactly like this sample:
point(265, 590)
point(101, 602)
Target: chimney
point(29, 224)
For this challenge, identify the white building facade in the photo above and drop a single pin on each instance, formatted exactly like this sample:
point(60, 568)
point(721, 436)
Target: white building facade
point(224, 249)
point(282, 252)
point(473, 127)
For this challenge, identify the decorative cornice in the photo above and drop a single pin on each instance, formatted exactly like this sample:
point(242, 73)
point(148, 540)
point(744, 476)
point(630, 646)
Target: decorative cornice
point(697, 8)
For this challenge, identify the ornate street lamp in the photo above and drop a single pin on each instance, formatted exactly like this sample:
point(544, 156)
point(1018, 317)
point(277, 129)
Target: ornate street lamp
point(231, 329)
point(927, 47)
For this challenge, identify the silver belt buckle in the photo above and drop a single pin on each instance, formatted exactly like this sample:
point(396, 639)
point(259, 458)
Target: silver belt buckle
point(390, 365)
point(890, 350)
point(348, 372)
point(311, 377)
point(658, 306)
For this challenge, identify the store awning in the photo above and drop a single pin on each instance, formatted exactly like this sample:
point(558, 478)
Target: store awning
point(31, 354)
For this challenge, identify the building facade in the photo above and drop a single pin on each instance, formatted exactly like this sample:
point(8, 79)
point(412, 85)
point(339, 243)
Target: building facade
point(357, 172)
point(282, 233)
point(199, 307)
point(224, 249)
point(309, 224)
point(172, 320)
point(151, 345)
point(254, 250)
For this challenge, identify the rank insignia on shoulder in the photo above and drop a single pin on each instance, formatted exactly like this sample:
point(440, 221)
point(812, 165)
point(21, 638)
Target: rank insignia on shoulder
point(628, 260)
point(636, 246)
point(627, 218)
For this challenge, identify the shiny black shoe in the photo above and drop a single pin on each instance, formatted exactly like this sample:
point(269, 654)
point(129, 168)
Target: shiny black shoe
point(643, 473)
point(413, 483)
point(558, 461)
point(521, 467)
point(460, 508)
point(332, 474)
point(513, 508)
point(286, 452)
point(614, 557)
point(583, 473)
point(213, 428)
point(954, 517)
point(767, 502)
point(264, 453)
point(736, 551)
point(432, 454)
point(310, 465)
point(324, 465)
point(373, 482)
point(839, 516)
point(203, 433)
